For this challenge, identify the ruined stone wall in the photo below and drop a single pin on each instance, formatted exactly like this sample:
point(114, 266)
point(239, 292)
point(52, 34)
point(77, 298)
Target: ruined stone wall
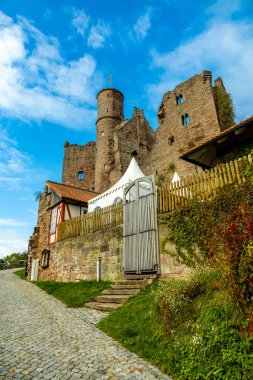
point(39, 240)
point(172, 137)
point(110, 114)
point(134, 138)
point(79, 158)
point(76, 259)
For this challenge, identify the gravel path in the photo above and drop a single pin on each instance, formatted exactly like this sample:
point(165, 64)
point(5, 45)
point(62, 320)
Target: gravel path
point(42, 339)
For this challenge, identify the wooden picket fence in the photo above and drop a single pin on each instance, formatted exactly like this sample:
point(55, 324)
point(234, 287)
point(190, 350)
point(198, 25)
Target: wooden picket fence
point(107, 217)
point(203, 186)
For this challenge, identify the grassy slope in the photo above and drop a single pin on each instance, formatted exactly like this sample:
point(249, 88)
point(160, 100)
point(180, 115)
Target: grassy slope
point(20, 273)
point(73, 294)
point(134, 326)
point(203, 341)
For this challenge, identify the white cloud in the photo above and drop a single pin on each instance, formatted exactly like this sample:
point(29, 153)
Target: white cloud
point(225, 47)
point(98, 35)
point(11, 222)
point(16, 242)
point(16, 167)
point(141, 27)
point(36, 83)
point(80, 21)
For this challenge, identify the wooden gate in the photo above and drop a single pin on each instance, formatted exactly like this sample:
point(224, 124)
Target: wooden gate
point(140, 231)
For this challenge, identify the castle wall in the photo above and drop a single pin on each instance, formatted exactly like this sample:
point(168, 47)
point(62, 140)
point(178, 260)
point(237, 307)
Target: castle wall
point(172, 137)
point(39, 240)
point(110, 114)
point(79, 158)
point(134, 138)
point(76, 259)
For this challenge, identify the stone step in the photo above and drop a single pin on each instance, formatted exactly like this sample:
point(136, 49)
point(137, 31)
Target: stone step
point(140, 276)
point(120, 291)
point(136, 286)
point(114, 298)
point(131, 282)
point(103, 306)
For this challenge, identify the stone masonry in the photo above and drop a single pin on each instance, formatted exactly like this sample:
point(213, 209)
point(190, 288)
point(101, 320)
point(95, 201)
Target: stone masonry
point(187, 115)
point(76, 259)
point(79, 158)
point(118, 139)
point(172, 137)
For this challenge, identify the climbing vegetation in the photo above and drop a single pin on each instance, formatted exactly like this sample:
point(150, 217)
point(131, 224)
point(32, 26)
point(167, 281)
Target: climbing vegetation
point(225, 107)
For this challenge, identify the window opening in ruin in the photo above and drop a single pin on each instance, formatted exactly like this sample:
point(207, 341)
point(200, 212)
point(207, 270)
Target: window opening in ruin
point(80, 174)
point(171, 140)
point(185, 119)
point(134, 154)
point(179, 99)
point(102, 133)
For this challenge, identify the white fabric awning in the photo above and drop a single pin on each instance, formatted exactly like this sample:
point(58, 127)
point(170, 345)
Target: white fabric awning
point(116, 191)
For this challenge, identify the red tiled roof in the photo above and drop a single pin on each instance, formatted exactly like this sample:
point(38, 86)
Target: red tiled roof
point(219, 135)
point(71, 192)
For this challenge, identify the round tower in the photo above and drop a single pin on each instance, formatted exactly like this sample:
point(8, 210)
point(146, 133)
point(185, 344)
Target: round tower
point(110, 114)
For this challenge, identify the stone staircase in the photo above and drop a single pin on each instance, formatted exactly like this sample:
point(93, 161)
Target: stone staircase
point(113, 298)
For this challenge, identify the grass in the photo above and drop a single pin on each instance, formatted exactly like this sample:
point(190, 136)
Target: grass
point(187, 328)
point(73, 294)
point(134, 326)
point(20, 273)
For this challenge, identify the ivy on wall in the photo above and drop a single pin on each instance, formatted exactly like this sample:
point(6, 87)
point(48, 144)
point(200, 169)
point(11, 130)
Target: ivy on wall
point(220, 233)
point(225, 107)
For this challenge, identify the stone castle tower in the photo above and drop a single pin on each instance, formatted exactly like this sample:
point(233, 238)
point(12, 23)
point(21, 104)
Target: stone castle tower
point(186, 117)
point(110, 114)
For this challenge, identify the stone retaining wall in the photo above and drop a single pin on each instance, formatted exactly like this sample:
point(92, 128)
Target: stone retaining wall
point(76, 259)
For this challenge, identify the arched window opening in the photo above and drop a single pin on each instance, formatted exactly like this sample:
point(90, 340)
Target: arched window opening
point(171, 140)
point(80, 174)
point(179, 99)
point(185, 119)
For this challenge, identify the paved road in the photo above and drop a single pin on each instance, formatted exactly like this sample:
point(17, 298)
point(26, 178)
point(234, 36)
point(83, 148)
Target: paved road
point(41, 339)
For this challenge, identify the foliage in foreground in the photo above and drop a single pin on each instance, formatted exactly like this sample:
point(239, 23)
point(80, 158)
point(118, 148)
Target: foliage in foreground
point(188, 328)
point(20, 273)
point(73, 294)
point(222, 229)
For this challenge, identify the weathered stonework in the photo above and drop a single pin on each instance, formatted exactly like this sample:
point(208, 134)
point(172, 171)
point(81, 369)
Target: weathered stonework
point(171, 266)
point(76, 259)
point(187, 116)
point(172, 137)
point(79, 158)
point(118, 140)
point(110, 114)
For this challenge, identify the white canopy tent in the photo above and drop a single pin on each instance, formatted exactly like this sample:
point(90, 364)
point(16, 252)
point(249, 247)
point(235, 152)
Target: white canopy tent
point(115, 193)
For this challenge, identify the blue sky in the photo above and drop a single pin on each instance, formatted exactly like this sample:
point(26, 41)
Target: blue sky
point(56, 55)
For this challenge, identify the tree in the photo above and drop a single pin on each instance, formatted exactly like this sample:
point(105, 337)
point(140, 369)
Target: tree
point(14, 260)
